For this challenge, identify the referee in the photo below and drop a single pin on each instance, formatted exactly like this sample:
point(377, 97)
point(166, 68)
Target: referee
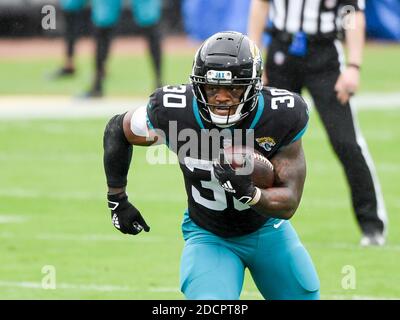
point(305, 51)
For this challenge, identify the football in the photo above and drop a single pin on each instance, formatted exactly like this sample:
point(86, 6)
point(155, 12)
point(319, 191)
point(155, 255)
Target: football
point(245, 158)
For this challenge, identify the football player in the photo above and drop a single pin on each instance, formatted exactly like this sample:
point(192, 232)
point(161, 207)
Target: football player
point(72, 11)
point(247, 227)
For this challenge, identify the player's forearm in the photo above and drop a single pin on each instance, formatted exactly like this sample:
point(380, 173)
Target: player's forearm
point(355, 39)
point(282, 200)
point(117, 155)
point(277, 203)
point(257, 19)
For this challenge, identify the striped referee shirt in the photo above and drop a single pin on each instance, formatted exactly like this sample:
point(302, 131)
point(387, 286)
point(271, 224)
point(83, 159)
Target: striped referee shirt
point(314, 17)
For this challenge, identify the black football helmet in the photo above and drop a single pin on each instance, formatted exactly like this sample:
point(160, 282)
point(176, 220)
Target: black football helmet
point(227, 59)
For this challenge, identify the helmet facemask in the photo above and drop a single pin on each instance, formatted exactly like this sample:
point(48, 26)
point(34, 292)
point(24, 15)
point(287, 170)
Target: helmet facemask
point(246, 104)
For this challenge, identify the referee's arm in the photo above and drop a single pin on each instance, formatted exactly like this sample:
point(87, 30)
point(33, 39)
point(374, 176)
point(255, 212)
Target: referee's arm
point(355, 38)
point(349, 81)
point(258, 15)
point(257, 18)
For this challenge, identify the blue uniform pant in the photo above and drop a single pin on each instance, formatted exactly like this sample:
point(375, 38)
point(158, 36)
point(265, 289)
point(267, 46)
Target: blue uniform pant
point(213, 267)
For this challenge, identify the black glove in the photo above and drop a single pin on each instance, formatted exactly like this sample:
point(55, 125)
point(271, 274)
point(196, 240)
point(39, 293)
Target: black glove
point(125, 217)
point(241, 186)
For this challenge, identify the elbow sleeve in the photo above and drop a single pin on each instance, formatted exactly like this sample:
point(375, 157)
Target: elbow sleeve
point(117, 153)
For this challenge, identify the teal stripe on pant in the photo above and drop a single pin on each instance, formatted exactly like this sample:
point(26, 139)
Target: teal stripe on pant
point(213, 267)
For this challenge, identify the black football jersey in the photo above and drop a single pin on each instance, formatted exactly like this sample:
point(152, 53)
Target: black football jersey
point(279, 118)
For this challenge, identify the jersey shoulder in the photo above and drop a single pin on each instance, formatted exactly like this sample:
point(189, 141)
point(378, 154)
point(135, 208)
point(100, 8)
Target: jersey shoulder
point(286, 111)
point(283, 101)
point(169, 103)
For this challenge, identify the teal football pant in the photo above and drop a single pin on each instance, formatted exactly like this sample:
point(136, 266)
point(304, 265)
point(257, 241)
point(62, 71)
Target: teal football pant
point(146, 12)
point(106, 13)
point(72, 5)
point(213, 267)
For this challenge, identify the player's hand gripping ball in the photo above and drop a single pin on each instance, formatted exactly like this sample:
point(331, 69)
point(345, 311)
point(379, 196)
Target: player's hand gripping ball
point(239, 170)
point(248, 159)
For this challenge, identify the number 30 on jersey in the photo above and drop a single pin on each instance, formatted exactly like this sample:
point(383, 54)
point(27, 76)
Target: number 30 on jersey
point(281, 98)
point(174, 96)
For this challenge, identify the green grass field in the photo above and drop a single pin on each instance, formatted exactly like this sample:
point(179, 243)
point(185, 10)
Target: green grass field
point(53, 188)
point(132, 75)
point(53, 209)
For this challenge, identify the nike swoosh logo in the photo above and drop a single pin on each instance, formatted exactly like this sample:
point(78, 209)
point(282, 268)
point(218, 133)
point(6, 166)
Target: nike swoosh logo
point(277, 225)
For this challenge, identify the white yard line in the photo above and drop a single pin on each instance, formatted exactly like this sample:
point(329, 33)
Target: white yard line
point(81, 195)
point(372, 100)
point(31, 107)
point(351, 247)
point(88, 237)
point(160, 239)
point(114, 288)
point(9, 218)
point(78, 287)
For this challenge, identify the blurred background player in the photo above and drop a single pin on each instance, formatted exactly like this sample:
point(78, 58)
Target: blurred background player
point(72, 12)
point(305, 52)
point(105, 15)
